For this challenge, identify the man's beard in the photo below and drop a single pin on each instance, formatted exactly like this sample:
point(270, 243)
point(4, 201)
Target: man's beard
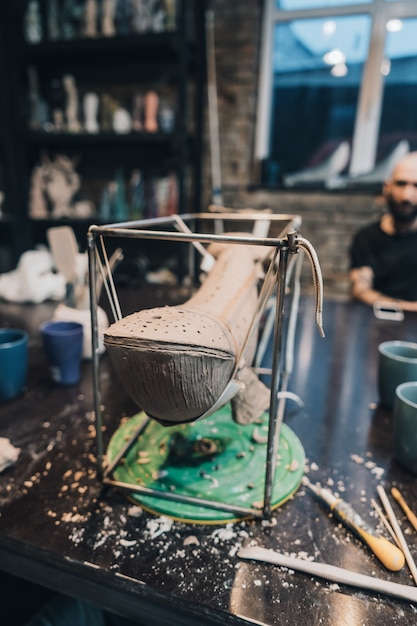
point(402, 211)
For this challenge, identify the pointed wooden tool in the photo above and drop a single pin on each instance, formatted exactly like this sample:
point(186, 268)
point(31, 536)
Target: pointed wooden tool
point(410, 515)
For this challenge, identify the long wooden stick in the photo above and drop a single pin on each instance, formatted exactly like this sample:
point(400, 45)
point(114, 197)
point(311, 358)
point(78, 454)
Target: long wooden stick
point(214, 134)
point(385, 521)
point(331, 572)
point(396, 527)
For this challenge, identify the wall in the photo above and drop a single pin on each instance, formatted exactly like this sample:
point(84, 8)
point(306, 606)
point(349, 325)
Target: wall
point(329, 219)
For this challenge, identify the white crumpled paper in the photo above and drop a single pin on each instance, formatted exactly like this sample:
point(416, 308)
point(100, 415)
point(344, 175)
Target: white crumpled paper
point(8, 453)
point(65, 313)
point(33, 280)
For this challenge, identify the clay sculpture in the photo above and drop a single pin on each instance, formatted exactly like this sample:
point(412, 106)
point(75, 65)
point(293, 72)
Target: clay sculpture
point(175, 362)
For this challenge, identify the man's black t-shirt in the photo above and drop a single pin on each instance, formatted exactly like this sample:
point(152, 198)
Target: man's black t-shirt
point(393, 259)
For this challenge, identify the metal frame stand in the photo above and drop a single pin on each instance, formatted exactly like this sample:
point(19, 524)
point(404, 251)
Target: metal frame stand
point(166, 229)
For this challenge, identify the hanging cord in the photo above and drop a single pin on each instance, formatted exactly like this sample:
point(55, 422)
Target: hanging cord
point(265, 294)
point(292, 321)
point(270, 317)
point(317, 279)
point(108, 282)
point(270, 280)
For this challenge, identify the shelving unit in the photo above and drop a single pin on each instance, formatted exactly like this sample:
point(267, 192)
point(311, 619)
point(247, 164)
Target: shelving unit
point(128, 172)
point(12, 235)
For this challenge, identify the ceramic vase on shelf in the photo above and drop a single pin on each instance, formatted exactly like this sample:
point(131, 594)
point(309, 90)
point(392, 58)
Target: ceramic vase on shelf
point(90, 104)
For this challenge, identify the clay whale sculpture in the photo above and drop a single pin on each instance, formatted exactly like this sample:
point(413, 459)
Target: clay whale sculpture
point(175, 362)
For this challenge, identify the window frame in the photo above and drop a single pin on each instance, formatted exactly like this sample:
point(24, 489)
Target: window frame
point(368, 112)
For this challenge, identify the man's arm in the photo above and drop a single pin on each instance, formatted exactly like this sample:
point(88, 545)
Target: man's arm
point(361, 280)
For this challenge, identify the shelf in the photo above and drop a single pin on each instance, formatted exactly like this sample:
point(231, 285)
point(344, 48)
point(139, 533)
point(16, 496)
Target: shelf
point(100, 48)
point(124, 68)
point(70, 139)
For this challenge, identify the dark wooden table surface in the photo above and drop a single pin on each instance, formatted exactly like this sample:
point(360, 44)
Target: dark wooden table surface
point(61, 528)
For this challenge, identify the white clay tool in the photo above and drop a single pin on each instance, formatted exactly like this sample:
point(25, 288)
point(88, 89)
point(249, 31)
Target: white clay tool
point(397, 529)
point(330, 572)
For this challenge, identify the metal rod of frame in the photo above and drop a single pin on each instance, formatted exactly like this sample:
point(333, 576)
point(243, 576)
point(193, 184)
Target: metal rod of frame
point(277, 404)
point(92, 267)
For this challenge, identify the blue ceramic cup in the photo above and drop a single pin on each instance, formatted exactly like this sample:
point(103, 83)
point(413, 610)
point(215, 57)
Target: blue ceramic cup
point(63, 345)
point(13, 362)
point(404, 420)
point(397, 364)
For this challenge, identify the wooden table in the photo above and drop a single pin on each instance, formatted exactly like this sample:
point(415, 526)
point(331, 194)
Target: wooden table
point(61, 528)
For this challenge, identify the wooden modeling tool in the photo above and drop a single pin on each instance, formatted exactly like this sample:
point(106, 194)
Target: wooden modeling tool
point(389, 555)
point(330, 572)
point(396, 527)
point(385, 521)
point(64, 249)
point(410, 515)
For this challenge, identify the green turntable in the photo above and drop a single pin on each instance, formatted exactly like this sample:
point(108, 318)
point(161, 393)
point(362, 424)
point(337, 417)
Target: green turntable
point(214, 459)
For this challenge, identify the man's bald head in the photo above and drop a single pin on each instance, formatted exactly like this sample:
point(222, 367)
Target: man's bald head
point(408, 163)
point(400, 191)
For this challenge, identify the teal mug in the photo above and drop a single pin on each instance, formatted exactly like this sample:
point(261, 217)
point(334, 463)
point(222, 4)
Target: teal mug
point(397, 364)
point(404, 421)
point(13, 362)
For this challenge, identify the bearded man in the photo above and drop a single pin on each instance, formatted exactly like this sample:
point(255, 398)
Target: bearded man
point(383, 255)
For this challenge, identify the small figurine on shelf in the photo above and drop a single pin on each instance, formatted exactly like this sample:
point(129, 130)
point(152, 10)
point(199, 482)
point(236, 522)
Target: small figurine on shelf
point(90, 18)
point(108, 11)
point(58, 121)
point(151, 206)
point(71, 112)
point(38, 108)
point(33, 23)
point(172, 193)
point(157, 16)
point(166, 118)
point(137, 112)
point(56, 98)
point(137, 197)
point(121, 211)
point(123, 16)
point(151, 111)
point(162, 195)
point(61, 183)
point(105, 208)
point(108, 106)
point(38, 208)
point(72, 15)
point(141, 20)
point(54, 186)
point(90, 104)
point(122, 121)
point(53, 20)
point(171, 14)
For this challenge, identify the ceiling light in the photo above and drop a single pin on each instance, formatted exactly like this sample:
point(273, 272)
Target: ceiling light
point(339, 70)
point(329, 28)
point(394, 25)
point(334, 56)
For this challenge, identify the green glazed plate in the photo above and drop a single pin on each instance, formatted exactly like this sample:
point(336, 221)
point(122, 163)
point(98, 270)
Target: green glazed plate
point(214, 459)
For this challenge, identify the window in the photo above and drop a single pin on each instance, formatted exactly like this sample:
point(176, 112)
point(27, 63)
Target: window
point(337, 92)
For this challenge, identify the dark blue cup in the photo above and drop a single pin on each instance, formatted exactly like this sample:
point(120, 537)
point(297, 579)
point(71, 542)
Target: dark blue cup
point(63, 345)
point(13, 362)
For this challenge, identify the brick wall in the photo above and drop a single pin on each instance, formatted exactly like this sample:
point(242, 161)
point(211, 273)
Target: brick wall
point(329, 219)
